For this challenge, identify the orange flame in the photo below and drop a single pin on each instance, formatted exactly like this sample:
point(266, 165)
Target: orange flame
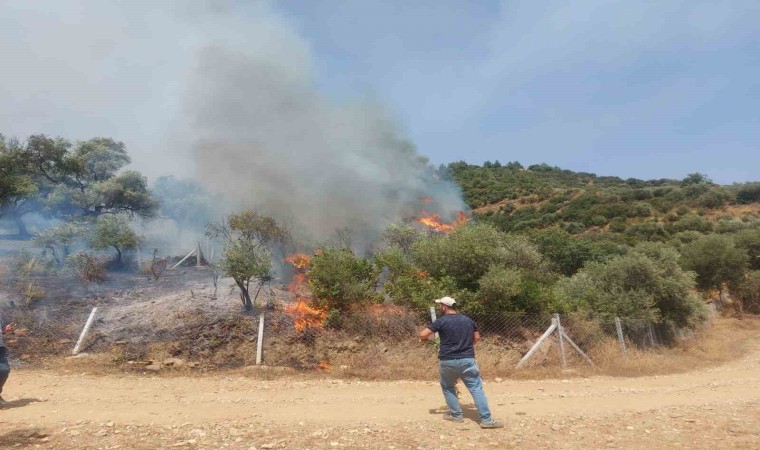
point(426, 200)
point(325, 365)
point(434, 221)
point(305, 316)
point(299, 260)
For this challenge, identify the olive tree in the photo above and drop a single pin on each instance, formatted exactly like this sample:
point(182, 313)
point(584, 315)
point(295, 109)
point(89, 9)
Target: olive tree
point(248, 238)
point(115, 232)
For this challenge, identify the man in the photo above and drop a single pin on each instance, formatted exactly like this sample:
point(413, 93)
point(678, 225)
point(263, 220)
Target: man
point(456, 355)
point(5, 368)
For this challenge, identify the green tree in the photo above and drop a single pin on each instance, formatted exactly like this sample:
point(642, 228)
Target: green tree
point(645, 284)
point(59, 239)
point(716, 260)
point(749, 292)
point(248, 238)
point(115, 232)
point(403, 236)
point(468, 252)
point(339, 279)
point(52, 178)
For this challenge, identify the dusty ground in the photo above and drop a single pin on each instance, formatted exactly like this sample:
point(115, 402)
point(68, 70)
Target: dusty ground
point(709, 408)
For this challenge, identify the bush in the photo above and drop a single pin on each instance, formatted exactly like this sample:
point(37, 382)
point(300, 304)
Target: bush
point(691, 223)
point(749, 292)
point(716, 260)
point(87, 268)
point(339, 279)
point(646, 284)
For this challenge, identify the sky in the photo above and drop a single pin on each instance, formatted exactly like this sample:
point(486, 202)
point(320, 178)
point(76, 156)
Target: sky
point(644, 89)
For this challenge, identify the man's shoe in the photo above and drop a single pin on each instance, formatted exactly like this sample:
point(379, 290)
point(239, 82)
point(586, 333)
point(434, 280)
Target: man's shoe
point(491, 424)
point(2, 402)
point(451, 418)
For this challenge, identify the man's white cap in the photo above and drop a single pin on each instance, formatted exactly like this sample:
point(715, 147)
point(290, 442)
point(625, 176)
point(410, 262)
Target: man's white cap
point(448, 301)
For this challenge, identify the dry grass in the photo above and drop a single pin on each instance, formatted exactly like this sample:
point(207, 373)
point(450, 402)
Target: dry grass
point(371, 359)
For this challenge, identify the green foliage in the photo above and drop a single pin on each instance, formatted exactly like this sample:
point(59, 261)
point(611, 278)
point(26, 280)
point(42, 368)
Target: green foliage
point(749, 241)
point(749, 292)
point(339, 279)
point(645, 284)
point(248, 238)
point(115, 232)
point(691, 223)
point(468, 252)
point(747, 193)
point(716, 261)
point(402, 236)
point(569, 253)
point(52, 177)
point(186, 202)
point(59, 239)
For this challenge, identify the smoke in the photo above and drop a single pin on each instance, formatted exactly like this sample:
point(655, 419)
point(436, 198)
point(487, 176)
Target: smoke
point(221, 91)
point(267, 138)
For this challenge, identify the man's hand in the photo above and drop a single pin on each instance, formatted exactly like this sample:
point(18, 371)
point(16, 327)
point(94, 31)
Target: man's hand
point(476, 337)
point(10, 328)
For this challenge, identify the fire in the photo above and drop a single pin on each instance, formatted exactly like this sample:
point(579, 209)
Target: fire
point(421, 275)
point(434, 221)
point(305, 316)
point(325, 365)
point(299, 260)
point(426, 200)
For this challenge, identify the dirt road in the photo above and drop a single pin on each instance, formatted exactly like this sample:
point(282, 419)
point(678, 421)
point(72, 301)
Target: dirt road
point(711, 408)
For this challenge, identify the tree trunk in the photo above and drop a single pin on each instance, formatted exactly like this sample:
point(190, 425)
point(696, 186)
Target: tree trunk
point(245, 297)
point(118, 255)
point(22, 230)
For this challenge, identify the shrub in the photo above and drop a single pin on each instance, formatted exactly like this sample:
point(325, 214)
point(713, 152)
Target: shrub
point(87, 268)
point(339, 279)
point(749, 292)
point(716, 260)
point(645, 284)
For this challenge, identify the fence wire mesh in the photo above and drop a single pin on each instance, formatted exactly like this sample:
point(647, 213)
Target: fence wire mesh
point(385, 339)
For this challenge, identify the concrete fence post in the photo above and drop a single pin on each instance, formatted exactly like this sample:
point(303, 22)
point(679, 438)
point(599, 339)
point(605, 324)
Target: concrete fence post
point(621, 338)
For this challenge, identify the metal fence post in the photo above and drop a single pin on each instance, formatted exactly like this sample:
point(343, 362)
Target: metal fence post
point(619, 329)
point(561, 342)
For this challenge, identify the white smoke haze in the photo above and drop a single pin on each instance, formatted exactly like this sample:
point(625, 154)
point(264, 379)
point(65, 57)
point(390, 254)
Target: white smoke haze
point(218, 91)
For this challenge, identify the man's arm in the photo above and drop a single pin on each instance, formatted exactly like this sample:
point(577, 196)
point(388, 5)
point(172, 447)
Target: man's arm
point(475, 337)
point(425, 334)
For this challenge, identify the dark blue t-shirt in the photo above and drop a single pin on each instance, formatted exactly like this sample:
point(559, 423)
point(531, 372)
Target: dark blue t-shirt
point(457, 336)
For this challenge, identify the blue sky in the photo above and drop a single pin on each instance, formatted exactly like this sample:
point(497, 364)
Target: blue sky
point(643, 89)
point(634, 88)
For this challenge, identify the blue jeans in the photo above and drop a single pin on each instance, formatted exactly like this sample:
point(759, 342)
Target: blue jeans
point(5, 368)
point(467, 370)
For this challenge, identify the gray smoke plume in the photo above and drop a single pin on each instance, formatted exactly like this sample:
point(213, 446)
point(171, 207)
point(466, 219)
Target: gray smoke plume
point(222, 91)
point(267, 138)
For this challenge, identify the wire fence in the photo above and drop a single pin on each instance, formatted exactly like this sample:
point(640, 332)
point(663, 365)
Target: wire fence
point(386, 338)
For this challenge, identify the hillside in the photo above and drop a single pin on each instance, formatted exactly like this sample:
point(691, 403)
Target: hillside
point(516, 198)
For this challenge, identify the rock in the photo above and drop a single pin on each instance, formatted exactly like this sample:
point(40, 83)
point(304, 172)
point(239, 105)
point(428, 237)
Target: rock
point(197, 432)
point(193, 365)
point(74, 433)
point(265, 446)
point(101, 433)
point(174, 362)
point(556, 427)
point(629, 427)
point(498, 380)
point(110, 424)
point(21, 332)
point(64, 341)
point(121, 343)
point(520, 413)
point(26, 356)
point(154, 367)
